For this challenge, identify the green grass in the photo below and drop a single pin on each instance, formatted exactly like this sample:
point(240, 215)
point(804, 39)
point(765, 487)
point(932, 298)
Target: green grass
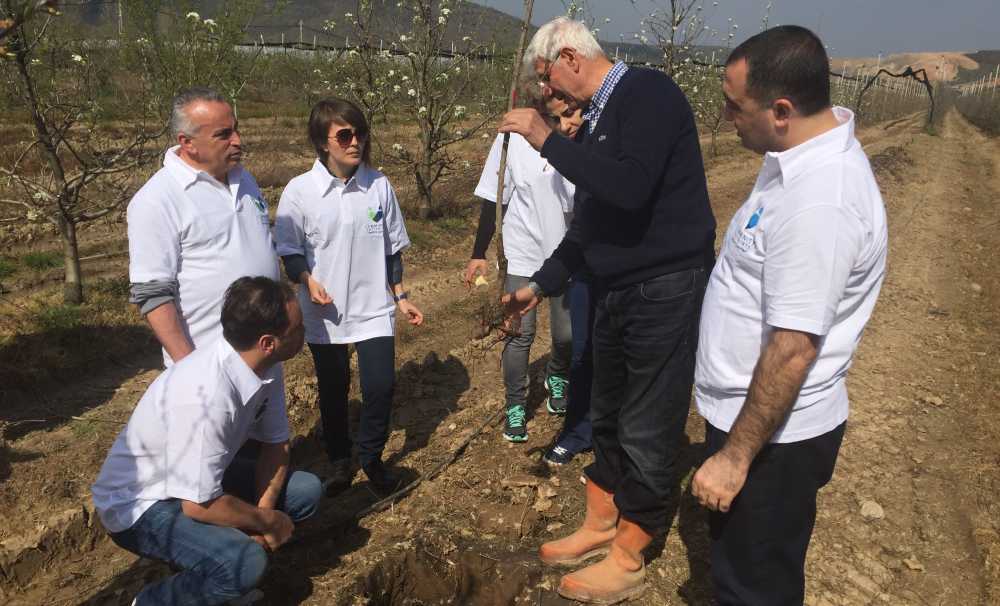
point(7, 268)
point(40, 260)
point(59, 318)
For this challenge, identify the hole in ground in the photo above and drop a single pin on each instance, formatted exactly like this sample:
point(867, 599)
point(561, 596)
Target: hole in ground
point(468, 576)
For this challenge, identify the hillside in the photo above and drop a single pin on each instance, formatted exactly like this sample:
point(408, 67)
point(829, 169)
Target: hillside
point(951, 67)
point(304, 21)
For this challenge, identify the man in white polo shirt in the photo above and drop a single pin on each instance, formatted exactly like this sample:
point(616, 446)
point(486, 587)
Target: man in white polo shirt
point(173, 488)
point(198, 224)
point(797, 278)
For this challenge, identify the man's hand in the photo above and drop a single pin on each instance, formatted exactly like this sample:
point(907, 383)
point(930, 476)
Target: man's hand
point(317, 294)
point(719, 479)
point(520, 302)
point(529, 124)
point(476, 267)
point(413, 315)
point(278, 530)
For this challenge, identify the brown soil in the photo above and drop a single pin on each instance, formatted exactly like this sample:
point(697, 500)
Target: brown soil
point(922, 443)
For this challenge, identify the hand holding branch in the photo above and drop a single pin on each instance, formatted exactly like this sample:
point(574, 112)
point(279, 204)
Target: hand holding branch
point(528, 123)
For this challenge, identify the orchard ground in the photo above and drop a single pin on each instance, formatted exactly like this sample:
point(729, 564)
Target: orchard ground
point(911, 516)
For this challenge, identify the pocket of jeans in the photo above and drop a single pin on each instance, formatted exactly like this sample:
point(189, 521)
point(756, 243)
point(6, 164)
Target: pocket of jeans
point(666, 288)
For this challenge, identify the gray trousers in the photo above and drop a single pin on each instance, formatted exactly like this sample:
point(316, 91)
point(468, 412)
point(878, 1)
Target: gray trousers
point(517, 349)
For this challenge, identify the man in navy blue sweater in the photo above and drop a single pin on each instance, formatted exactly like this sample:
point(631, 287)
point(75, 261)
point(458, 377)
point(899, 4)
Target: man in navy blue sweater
point(644, 227)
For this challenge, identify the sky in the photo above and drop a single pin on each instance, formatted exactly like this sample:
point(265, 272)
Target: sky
point(849, 28)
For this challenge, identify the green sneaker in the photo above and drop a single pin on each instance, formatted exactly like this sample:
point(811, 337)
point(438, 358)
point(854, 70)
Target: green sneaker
point(514, 428)
point(557, 388)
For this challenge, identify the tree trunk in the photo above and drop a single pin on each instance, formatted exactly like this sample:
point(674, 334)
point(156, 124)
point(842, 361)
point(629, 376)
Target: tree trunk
point(425, 202)
point(73, 286)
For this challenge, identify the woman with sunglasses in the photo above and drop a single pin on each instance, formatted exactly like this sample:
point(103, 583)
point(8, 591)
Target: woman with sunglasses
point(340, 232)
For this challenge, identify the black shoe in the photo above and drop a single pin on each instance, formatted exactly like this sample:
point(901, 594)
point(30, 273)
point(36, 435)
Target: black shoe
point(558, 455)
point(382, 481)
point(340, 477)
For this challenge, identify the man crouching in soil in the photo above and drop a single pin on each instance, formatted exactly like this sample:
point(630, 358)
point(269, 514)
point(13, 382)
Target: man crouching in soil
point(173, 488)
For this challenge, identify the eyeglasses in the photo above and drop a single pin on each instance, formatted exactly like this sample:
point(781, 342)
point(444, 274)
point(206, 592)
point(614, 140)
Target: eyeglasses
point(543, 80)
point(345, 136)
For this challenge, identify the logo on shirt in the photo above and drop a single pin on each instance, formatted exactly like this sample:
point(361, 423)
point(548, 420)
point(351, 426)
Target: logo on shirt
point(745, 239)
point(375, 217)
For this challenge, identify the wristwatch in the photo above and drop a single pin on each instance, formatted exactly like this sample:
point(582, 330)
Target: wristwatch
point(400, 296)
point(535, 288)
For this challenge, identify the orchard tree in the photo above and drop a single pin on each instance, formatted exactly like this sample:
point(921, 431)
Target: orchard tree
point(97, 112)
point(431, 75)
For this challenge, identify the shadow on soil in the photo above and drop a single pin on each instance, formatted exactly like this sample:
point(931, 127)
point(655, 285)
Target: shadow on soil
point(47, 378)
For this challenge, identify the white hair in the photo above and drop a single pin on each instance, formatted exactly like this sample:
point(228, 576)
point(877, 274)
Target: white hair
point(560, 33)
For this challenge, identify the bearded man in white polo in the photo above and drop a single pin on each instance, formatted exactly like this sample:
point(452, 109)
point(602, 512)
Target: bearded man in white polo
point(196, 226)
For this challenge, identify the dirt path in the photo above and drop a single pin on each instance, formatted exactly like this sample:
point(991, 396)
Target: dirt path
point(909, 517)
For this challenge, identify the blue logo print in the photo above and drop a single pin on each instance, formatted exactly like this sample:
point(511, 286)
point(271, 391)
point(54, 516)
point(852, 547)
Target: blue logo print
point(754, 218)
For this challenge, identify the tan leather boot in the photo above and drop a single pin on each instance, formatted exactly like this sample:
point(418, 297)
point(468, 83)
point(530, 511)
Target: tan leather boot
point(617, 577)
point(592, 539)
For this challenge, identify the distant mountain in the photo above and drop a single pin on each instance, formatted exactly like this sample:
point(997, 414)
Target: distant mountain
point(987, 62)
point(304, 21)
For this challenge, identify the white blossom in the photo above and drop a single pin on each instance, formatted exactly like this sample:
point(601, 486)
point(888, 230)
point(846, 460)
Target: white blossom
point(397, 147)
point(411, 93)
point(210, 23)
point(78, 58)
point(422, 110)
point(193, 15)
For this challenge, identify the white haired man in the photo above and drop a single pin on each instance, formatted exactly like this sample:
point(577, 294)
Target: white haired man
point(645, 229)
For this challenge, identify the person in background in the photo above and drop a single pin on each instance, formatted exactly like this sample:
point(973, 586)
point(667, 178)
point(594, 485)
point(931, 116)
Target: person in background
point(797, 278)
point(537, 206)
point(340, 233)
point(174, 487)
point(644, 227)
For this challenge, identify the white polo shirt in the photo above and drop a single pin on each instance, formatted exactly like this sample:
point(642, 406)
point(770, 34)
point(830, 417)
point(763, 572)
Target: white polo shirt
point(539, 204)
point(184, 433)
point(805, 252)
point(345, 231)
point(185, 225)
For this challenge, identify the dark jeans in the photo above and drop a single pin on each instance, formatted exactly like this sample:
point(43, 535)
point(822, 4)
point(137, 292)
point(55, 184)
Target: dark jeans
point(759, 547)
point(217, 563)
point(576, 432)
point(377, 365)
point(645, 336)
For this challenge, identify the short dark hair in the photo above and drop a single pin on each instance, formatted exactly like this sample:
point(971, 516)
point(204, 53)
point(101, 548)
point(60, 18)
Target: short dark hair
point(788, 61)
point(254, 307)
point(335, 109)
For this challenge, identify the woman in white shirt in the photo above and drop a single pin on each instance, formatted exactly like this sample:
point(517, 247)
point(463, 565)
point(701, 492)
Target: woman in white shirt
point(340, 232)
point(538, 205)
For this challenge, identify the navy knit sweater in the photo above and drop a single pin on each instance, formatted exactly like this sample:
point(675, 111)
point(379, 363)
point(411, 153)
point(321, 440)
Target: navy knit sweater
point(641, 207)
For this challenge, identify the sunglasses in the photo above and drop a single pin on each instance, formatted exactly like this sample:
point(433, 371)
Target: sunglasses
point(345, 136)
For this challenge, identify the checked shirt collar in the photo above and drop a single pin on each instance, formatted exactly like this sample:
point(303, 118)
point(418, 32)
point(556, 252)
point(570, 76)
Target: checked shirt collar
point(600, 98)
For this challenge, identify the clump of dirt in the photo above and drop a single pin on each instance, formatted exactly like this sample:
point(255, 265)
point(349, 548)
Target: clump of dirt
point(893, 161)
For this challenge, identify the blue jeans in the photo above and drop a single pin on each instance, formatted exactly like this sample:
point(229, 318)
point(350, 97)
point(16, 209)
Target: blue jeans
point(217, 563)
point(575, 436)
